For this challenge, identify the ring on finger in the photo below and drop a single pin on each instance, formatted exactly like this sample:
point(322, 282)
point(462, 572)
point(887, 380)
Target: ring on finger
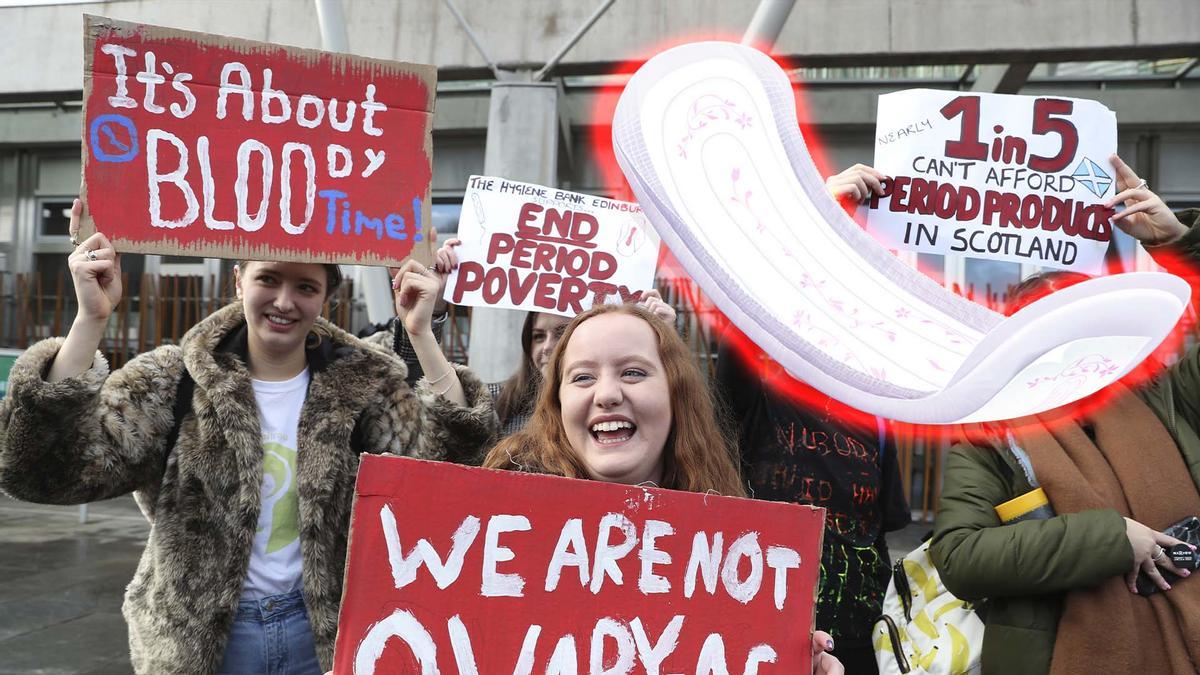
point(75, 239)
point(1158, 555)
point(1142, 184)
point(90, 255)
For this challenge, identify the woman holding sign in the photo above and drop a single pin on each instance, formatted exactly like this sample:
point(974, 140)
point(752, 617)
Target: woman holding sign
point(1058, 521)
point(241, 444)
point(626, 403)
point(514, 398)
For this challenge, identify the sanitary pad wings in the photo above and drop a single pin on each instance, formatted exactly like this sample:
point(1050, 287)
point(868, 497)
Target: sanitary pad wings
point(706, 134)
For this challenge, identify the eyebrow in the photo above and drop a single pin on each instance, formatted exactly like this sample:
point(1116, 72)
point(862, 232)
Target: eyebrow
point(275, 270)
point(624, 361)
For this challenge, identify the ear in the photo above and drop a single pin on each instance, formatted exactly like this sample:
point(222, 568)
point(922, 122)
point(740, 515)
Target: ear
point(237, 281)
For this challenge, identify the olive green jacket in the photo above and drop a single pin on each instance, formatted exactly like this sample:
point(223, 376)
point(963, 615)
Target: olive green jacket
point(1025, 569)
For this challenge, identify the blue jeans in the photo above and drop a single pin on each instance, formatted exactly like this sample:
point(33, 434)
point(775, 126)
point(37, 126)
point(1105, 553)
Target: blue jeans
point(272, 637)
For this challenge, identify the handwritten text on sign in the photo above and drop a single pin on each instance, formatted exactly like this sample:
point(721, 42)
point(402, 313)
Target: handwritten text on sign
point(532, 247)
point(1016, 178)
point(203, 145)
point(447, 572)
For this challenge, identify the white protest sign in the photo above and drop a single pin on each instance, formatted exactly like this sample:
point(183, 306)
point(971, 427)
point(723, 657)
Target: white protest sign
point(527, 246)
point(1016, 178)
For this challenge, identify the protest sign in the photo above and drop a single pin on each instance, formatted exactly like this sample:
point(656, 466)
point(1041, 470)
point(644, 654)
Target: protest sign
point(533, 247)
point(205, 145)
point(1016, 178)
point(462, 570)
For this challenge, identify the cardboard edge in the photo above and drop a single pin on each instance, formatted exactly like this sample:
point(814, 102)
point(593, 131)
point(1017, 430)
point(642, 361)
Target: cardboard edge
point(427, 73)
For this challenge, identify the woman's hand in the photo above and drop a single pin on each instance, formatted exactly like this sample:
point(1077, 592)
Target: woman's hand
point(653, 301)
point(96, 272)
point(415, 291)
point(858, 182)
point(1149, 553)
point(445, 261)
point(825, 663)
point(1146, 217)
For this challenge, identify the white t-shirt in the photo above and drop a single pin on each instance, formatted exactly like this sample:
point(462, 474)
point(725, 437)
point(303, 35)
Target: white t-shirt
point(275, 558)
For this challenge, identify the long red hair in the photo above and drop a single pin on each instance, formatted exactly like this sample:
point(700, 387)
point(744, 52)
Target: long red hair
point(699, 455)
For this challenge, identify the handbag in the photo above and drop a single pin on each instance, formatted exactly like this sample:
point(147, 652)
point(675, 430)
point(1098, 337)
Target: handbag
point(924, 628)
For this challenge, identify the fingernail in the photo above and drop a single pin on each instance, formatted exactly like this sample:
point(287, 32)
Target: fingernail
point(1168, 587)
point(829, 645)
point(1187, 573)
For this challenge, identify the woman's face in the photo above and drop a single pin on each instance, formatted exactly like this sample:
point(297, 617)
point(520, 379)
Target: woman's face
point(281, 301)
point(616, 401)
point(546, 330)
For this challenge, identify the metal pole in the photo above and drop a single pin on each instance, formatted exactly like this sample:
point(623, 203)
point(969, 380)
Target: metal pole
point(522, 144)
point(372, 282)
point(573, 39)
point(333, 26)
point(462, 21)
point(767, 23)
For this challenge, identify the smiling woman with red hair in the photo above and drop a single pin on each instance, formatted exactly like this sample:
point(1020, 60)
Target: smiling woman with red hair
point(624, 402)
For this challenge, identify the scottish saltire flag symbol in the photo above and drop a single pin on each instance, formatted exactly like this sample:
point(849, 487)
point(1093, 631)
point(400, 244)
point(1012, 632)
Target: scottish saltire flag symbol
point(1091, 176)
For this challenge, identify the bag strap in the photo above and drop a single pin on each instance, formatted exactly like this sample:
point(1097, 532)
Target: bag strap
point(183, 402)
point(897, 648)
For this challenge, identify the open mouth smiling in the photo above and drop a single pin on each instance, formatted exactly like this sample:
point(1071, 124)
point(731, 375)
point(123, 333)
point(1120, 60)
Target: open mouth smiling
point(612, 431)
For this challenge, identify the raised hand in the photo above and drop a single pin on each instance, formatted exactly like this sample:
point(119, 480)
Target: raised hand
point(96, 272)
point(415, 291)
point(1146, 217)
point(445, 261)
point(653, 301)
point(857, 183)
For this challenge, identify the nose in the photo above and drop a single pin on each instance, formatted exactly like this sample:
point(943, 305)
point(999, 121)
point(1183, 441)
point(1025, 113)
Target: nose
point(608, 392)
point(283, 300)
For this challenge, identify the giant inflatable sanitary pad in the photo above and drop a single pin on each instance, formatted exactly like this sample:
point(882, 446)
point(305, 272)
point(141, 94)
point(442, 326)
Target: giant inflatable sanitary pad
point(706, 135)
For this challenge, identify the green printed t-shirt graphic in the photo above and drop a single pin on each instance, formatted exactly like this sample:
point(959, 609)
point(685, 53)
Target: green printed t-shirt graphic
point(279, 463)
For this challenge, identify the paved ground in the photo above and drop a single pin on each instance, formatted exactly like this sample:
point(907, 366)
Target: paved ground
point(61, 585)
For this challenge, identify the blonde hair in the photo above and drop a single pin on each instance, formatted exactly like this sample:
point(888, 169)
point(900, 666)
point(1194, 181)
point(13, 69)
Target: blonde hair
point(699, 454)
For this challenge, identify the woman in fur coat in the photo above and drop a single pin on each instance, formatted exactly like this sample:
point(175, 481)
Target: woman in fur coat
point(248, 477)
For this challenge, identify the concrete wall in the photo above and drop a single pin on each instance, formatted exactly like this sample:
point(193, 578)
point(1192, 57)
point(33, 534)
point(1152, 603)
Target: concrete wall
point(41, 46)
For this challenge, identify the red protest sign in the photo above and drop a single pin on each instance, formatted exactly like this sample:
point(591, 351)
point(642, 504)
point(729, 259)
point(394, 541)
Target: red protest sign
point(457, 569)
point(205, 145)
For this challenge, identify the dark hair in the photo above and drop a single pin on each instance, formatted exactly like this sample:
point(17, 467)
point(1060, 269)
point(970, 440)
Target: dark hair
point(519, 391)
point(1039, 286)
point(333, 275)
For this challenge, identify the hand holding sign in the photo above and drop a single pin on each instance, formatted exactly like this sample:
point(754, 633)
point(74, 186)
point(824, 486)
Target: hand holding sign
point(1146, 217)
point(857, 183)
point(96, 272)
point(1002, 177)
point(415, 289)
point(538, 248)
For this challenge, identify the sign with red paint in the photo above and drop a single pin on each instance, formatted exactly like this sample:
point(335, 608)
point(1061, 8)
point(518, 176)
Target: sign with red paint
point(455, 569)
point(205, 145)
point(527, 246)
point(1016, 178)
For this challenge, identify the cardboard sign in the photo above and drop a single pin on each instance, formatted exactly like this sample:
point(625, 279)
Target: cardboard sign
point(543, 249)
point(1016, 178)
point(204, 145)
point(462, 570)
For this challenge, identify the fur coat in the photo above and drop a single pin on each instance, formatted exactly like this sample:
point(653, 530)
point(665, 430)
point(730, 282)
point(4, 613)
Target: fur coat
point(101, 434)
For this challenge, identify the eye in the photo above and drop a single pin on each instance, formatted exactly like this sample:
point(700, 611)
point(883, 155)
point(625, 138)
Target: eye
point(582, 378)
point(309, 289)
point(633, 372)
point(539, 337)
point(266, 278)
